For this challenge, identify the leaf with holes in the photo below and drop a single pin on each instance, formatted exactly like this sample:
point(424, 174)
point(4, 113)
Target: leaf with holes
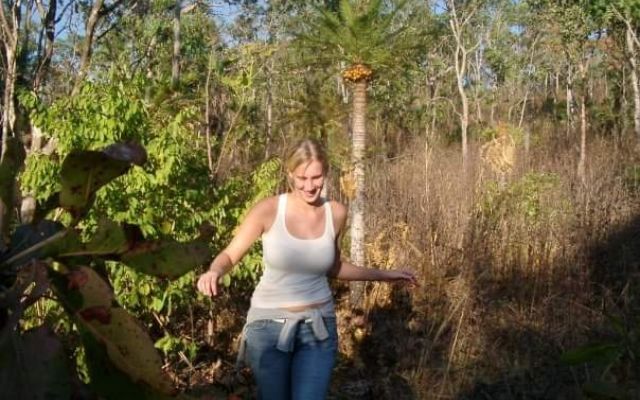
point(167, 259)
point(84, 172)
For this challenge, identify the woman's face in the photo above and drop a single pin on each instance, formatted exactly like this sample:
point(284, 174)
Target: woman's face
point(308, 179)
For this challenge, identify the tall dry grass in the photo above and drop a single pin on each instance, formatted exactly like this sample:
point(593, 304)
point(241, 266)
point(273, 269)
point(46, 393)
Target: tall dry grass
point(515, 268)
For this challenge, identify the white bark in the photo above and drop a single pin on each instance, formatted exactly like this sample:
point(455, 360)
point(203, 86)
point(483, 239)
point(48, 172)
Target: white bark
point(357, 206)
point(90, 28)
point(632, 51)
point(569, 100)
point(457, 23)
point(175, 61)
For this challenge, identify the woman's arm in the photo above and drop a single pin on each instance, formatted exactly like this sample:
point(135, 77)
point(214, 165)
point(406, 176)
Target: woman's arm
point(248, 232)
point(347, 271)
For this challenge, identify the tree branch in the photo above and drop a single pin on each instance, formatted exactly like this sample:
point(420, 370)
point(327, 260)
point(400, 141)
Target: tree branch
point(92, 22)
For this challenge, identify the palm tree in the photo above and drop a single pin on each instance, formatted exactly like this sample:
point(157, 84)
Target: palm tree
point(365, 37)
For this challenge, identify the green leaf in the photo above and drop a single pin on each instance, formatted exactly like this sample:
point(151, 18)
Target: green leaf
point(109, 381)
point(110, 238)
point(601, 353)
point(127, 345)
point(84, 172)
point(167, 259)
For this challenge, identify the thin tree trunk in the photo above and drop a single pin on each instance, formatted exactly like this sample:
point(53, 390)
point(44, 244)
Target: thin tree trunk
point(90, 30)
point(207, 116)
point(49, 18)
point(457, 24)
point(358, 132)
point(583, 139)
point(269, 111)
point(583, 122)
point(10, 29)
point(624, 102)
point(478, 68)
point(556, 93)
point(569, 101)
point(9, 33)
point(633, 61)
point(464, 122)
point(175, 61)
point(461, 66)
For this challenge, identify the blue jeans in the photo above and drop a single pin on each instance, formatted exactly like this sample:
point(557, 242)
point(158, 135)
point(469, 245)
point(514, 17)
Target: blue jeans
point(302, 374)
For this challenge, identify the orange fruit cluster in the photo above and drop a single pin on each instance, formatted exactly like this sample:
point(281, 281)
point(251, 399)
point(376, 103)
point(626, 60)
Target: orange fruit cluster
point(357, 73)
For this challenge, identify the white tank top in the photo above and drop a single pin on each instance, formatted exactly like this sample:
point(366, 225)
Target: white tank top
point(295, 270)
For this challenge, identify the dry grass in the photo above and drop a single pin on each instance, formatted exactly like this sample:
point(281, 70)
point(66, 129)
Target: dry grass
point(516, 266)
point(512, 274)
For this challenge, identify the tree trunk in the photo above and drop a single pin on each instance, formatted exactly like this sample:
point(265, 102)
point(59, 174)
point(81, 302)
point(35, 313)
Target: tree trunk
point(92, 23)
point(9, 109)
point(583, 139)
point(461, 66)
point(207, 114)
point(49, 18)
point(9, 33)
point(583, 121)
point(269, 111)
point(569, 101)
point(633, 62)
point(556, 92)
point(358, 132)
point(464, 122)
point(175, 61)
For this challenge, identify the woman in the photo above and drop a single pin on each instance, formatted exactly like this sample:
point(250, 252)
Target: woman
point(290, 339)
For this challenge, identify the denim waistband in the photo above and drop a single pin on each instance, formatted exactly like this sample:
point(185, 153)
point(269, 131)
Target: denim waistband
point(291, 320)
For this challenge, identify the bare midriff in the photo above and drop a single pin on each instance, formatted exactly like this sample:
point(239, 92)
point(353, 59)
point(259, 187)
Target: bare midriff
point(306, 306)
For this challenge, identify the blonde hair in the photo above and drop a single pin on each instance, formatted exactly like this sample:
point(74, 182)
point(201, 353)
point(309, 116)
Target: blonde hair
point(305, 151)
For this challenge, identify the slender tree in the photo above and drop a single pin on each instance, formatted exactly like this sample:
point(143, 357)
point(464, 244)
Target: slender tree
point(367, 39)
point(460, 19)
point(622, 17)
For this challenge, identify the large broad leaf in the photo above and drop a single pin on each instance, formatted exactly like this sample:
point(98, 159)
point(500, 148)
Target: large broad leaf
point(35, 366)
point(167, 259)
point(84, 172)
point(110, 238)
point(109, 381)
point(128, 346)
point(93, 289)
point(130, 350)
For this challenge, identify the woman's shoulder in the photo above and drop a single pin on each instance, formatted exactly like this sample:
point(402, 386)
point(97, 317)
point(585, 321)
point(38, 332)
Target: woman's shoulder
point(263, 212)
point(268, 205)
point(338, 209)
point(339, 212)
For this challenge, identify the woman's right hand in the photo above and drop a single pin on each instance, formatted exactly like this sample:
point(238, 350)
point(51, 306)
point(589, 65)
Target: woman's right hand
point(208, 283)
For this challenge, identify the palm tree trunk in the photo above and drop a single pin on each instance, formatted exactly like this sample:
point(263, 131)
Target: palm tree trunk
point(358, 131)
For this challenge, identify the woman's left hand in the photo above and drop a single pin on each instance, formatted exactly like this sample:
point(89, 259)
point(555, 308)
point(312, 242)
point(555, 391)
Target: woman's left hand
point(405, 276)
